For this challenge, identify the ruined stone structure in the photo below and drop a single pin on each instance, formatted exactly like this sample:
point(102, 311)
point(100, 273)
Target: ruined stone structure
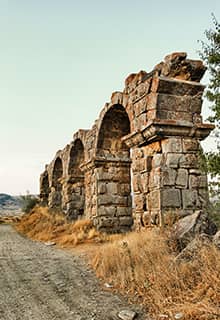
point(140, 159)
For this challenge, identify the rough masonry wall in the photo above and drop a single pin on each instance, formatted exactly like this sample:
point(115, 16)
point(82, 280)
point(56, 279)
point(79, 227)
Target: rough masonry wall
point(140, 160)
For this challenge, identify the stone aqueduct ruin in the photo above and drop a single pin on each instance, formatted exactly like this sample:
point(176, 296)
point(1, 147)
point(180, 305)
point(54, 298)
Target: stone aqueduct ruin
point(140, 160)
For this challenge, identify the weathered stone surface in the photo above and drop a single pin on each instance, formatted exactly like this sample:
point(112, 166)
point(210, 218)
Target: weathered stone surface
point(190, 145)
point(173, 160)
point(125, 221)
point(193, 248)
point(109, 211)
point(171, 198)
point(190, 199)
point(127, 314)
point(198, 181)
point(169, 177)
point(172, 145)
point(153, 200)
point(182, 178)
point(189, 161)
point(188, 227)
point(155, 179)
point(176, 87)
point(139, 201)
point(143, 147)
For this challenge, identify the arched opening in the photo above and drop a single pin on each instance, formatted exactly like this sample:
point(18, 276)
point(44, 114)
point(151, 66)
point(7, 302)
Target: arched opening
point(114, 126)
point(114, 209)
point(76, 187)
point(57, 183)
point(44, 189)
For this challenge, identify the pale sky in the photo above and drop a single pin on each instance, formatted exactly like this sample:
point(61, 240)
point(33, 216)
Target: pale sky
point(61, 60)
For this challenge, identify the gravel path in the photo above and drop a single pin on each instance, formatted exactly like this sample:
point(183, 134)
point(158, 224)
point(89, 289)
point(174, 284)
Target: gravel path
point(38, 282)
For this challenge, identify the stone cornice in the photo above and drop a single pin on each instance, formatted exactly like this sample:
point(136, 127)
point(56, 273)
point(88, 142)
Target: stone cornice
point(159, 129)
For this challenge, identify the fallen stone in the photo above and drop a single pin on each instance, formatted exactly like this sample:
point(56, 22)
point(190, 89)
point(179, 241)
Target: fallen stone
point(187, 228)
point(50, 243)
point(178, 316)
point(193, 248)
point(127, 315)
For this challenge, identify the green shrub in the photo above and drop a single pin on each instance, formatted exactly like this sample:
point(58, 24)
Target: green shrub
point(28, 202)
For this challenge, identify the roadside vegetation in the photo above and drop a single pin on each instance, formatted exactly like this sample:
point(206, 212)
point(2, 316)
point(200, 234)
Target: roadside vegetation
point(143, 265)
point(28, 202)
point(43, 225)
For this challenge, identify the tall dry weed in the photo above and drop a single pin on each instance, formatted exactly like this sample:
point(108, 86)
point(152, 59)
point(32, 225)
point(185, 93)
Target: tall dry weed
point(142, 265)
point(43, 225)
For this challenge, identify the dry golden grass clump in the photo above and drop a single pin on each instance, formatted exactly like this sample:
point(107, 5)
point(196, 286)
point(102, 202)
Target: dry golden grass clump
point(43, 225)
point(142, 265)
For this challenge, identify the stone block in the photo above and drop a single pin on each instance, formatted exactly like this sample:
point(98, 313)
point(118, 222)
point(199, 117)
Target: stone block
point(142, 120)
point(107, 222)
point(139, 201)
point(190, 199)
point(175, 115)
point(157, 160)
point(125, 221)
point(172, 145)
point(140, 107)
point(124, 189)
point(190, 144)
point(136, 182)
point(109, 211)
point(176, 87)
point(145, 181)
point(169, 102)
point(151, 100)
point(122, 200)
point(170, 198)
point(182, 178)
point(168, 177)
point(112, 187)
point(101, 187)
point(152, 149)
point(151, 114)
point(137, 153)
point(196, 105)
point(173, 160)
point(198, 181)
point(155, 178)
point(123, 211)
point(189, 161)
point(104, 199)
point(153, 200)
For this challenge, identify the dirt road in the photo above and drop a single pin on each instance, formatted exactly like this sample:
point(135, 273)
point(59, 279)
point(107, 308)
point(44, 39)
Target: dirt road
point(38, 282)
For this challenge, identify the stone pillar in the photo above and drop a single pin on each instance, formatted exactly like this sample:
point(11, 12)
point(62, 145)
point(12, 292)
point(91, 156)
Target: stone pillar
point(74, 197)
point(44, 188)
point(108, 195)
point(165, 158)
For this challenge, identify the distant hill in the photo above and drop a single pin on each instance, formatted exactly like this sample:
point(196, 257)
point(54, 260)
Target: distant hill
point(9, 205)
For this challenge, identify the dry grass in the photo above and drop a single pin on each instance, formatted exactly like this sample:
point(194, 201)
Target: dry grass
point(143, 266)
point(43, 225)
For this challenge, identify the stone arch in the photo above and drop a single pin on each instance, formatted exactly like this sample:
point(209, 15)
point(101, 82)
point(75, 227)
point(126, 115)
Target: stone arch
point(113, 172)
point(76, 185)
point(114, 124)
point(57, 183)
point(44, 188)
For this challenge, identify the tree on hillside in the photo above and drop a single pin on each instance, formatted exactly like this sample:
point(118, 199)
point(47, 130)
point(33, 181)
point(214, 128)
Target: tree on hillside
point(210, 53)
